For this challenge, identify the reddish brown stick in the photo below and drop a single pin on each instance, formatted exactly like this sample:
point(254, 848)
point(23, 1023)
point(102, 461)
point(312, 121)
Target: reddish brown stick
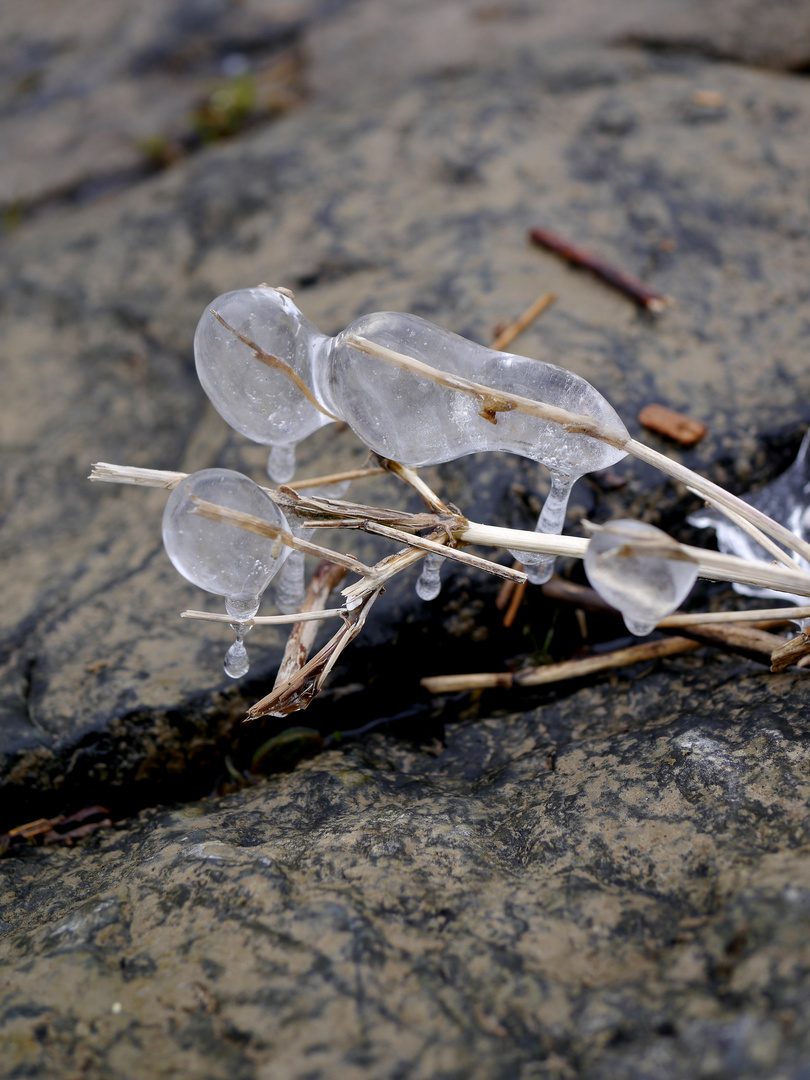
point(578, 256)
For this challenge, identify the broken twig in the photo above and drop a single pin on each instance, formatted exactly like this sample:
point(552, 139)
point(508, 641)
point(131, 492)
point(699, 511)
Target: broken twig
point(566, 669)
point(577, 256)
point(532, 312)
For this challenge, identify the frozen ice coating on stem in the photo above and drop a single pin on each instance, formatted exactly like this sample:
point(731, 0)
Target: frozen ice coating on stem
point(258, 395)
point(787, 500)
point(639, 570)
point(416, 420)
point(220, 558)
point(276, 379)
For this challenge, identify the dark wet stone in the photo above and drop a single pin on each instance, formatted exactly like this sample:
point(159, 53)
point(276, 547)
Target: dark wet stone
point(614, 884)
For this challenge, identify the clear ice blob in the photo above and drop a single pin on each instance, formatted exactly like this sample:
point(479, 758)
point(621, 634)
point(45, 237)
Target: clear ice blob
point(398, 413)
point(410, 418)
point(429, 584)
point(787, 500)
point(639, 570)
point(220, 558)
point(291, 583)
point(259, 398)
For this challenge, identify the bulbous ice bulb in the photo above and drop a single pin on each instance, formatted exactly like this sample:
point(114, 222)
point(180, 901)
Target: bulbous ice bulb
point(639, 570)
point(219, 557)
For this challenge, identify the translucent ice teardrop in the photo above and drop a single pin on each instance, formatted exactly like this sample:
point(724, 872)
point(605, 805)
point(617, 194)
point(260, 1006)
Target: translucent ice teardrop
point(237, 663)
point(291, 584)
point(539, 568)
point(639, 570)
point(257, 396)
point(217, 557)
point(429, 583)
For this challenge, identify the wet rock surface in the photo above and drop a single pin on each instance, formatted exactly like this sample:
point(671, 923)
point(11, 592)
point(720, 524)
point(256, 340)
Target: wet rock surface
point(615, 884)
point(599, 881)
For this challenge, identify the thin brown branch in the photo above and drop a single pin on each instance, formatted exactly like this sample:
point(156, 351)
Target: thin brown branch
point(299, 691)
point(506, 590)
point(310, 505)
point(335, 478)
point(514, 604)
point(756, 534)
point(414, 480)
point(790, 652)
point(748, 641)
point(722, 499)
point(569, 592)
point(447, 552)
point(492, 401)
point(104, 472)
point(713, 565)
point(607, 272)
point(522, 322)
point(267, 620)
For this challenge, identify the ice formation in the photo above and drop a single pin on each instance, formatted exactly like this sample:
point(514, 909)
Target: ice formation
point(220, 558)
point(302, 379)
point(787, 500)
point(639, 570)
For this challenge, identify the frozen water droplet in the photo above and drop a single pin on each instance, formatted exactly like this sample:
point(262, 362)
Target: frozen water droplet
point(290, 584)
point(640, 627)
point(281, 463)
point(237, 663)
point(221, 558)
point(257, 396)
point(639, 570)
point(429, 584)
point(539, 568)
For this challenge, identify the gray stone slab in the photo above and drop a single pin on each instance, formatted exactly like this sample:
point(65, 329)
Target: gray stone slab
point(615, 884)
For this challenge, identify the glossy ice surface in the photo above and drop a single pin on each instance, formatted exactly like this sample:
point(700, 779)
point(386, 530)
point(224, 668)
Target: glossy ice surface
point(258, 400)
point(221, 558)
point(644, 586)
point(406, 415)
point(787, 500)
point(429, 582)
